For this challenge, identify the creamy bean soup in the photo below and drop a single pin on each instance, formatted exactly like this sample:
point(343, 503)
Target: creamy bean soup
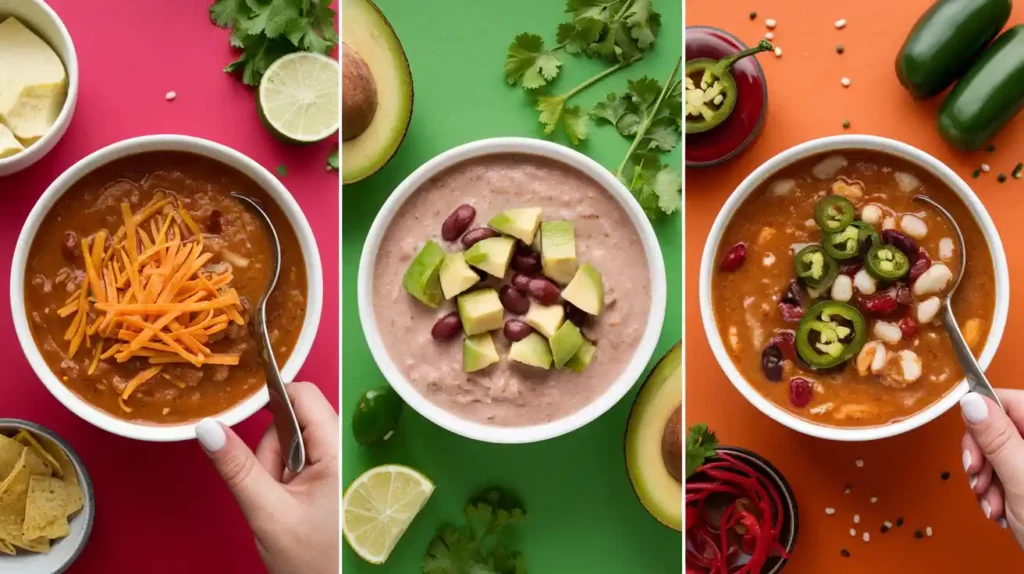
point(829, 286)
point(511, 289)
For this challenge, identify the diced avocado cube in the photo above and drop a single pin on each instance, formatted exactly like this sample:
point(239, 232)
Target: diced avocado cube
point(558, 250)
point(586, 290)
point(532, 350)
point(565, 343)
point(519, 223)
point(456, 275)
point(478, 352)
point(546, 319)
point(492, 255)
point(480, 311)
point(581, 360)
point(422, 279)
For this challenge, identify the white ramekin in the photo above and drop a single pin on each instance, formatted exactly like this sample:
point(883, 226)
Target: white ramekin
point(926, 163)
point(229, 157)
point(509, 434)
point(42, 20)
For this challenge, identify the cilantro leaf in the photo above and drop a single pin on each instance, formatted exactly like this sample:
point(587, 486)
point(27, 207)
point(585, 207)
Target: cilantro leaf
point(576, 124)
point(282, 170)
point(472, 549)
point(610, 109)
point(333, 160)
point(529, 64)
point(644, 92)
point(614, 29)
point(551, 108)
point(657, 188)
point(700, 446)
point(663, 135)
point(644, 23)
point(668, 187)
point(224, 13)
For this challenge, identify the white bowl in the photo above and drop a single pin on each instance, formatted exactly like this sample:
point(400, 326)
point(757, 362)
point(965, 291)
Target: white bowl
point(270, 184)
point(512, 434)
point(42, 20)
point(65, 551)
point(916, 157)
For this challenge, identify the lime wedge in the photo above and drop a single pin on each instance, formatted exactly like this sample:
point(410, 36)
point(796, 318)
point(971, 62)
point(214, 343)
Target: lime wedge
point(299, 97)
point(379, 506)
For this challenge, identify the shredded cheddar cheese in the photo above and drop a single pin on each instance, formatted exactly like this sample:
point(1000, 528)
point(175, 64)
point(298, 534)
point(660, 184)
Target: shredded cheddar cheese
point(147, 292)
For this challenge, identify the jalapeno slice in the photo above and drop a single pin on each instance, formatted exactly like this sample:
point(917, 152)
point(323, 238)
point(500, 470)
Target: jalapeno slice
point(829, 334)
point(843, 244)
point(834, 213)
point(886, 262)
point(867, 237)
point(815, 268)
point(711, 91)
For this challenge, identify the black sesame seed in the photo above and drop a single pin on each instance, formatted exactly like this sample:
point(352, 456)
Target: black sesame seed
point(944, 476)
point(918, 534)
point(753, 14)
point(1001, 178)
point(1017, 170)
point(884, 529)
point(899, 522)
point(991, 148)
point(976, 173)
point(844, 553)
point(839, 49)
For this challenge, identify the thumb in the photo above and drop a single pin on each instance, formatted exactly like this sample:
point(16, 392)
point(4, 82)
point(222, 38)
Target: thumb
point(996, 435)
point(251, 484)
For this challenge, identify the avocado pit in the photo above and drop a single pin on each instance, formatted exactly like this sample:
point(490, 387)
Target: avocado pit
point(359, 94)
point(672, 444)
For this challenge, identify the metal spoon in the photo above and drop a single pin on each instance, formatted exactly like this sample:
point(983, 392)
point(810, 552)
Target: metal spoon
point(976, 380)
point(293, 450)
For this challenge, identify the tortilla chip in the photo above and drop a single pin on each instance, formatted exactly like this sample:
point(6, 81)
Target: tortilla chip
point(40, 545)
point(47, 507)
point(13, 494)
point(26, 438)
point(6, 547)
point(10, 452)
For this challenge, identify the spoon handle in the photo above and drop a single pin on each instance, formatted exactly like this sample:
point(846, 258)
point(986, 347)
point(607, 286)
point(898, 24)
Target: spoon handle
point(293, 450)
point(976, 380)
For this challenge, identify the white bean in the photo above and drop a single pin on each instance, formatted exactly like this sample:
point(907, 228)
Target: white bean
point(946, 247)
point(864, 282)
point(783, 187)
point(888, 332)
point(828, 167)
point(889, 223)
point(878, 361)
point(933, 280)
point(866, 358)
point(911, 364)
point(768, 259)
point(914, 226)
point(871, 214)
point(842, 288)
point(928, 309)
point(906, 181)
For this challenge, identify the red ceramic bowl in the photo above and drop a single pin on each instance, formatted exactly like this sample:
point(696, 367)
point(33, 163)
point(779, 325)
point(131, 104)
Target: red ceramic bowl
point(743, 125)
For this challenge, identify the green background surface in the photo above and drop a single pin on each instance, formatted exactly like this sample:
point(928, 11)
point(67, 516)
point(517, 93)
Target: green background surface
point(583, 516)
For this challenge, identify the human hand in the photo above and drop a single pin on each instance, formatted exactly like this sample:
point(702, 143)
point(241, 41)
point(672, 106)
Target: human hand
point(293, 517)
point(993, 456)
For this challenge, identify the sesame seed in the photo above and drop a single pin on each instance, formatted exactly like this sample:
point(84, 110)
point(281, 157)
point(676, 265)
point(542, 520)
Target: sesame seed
point(976, 173)
point(753, 15)
point(845, 82)
point(830, 511)
point(887, 524)
point(985, 167)
point(918, 534)
point(885, 529)
point(1001, 178)
point(848, 488)
point(859, 462)
point(899, 522)
point(840, 24)
point(874, 500)
point(839, 49)
point(928, 531)
point(944, 476)
point(778, 52)
point(853, 532)
point(770, 23)
point(867, 537)
point(170, 96)
point(856, 519)
point(769, 36)
point(844, 553)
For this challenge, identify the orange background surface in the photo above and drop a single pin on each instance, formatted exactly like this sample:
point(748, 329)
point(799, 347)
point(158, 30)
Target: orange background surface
point(806, 101)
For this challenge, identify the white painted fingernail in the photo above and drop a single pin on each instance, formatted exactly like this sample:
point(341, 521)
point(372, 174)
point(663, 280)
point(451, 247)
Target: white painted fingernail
point(967, 459)
point(986, 508)
point(974, 480)
point(211, 435)
point(1002, 522)
point(974, 407)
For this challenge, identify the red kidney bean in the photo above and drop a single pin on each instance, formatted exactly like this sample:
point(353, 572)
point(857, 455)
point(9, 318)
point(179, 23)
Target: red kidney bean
point(516, 330)
point(214, 224)
point(920, 265)
point(850, 269)
point(771, 363)
point(446, 327)
point(479, 234)
point(903, 295)
point(544, 290)
point(458, 222)
point(576, 315)
point(790, 313)
point(909, 326)
point(526, 261)
point(796, 295)
point(800, 392)
point(902, 242)
point(882, 303)
point(785, 340)
point(734, 258)
point(71, 247)
point(521, 281)
point(513, 300)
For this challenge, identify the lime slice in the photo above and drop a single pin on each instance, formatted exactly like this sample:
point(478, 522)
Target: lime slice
point(379, 506)
point(299, 97)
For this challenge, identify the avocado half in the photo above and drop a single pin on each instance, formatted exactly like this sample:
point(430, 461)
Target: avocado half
point(376, 92)
point(654, 441)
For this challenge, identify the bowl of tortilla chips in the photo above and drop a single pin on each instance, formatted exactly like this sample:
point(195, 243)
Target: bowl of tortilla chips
point(46, 500)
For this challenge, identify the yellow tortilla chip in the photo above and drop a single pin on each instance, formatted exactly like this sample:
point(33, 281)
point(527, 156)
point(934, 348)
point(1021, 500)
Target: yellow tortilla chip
point(26, 438)
point(13, 494)
point(47, 507)
point(6, 547)
point(40, 545)
point(10, 453)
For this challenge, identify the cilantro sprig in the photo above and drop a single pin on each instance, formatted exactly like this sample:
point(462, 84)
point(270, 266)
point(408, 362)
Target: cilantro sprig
point(265, 30)
point(700, 446)
point(473, 548)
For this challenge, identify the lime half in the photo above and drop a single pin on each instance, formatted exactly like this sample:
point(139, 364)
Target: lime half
point(379, 506)
point(299, 97)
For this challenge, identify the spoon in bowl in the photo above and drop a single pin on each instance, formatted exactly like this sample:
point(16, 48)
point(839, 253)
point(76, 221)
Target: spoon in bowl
point(288, 432)
point(976, 380)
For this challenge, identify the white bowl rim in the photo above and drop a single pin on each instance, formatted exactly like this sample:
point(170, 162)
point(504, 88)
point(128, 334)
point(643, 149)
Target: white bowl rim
point(63, 120)
point(166, 142)
point(925, 162)
point(513, 434)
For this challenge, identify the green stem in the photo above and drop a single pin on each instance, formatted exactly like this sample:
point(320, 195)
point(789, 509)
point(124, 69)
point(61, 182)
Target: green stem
point(622, 10)
point(725, 63)
point(650, 117)
point(600, 77)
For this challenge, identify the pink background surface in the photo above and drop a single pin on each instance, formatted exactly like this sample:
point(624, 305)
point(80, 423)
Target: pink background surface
point(161, 507)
